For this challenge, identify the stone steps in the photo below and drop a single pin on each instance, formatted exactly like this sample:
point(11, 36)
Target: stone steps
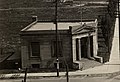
point(86, 63)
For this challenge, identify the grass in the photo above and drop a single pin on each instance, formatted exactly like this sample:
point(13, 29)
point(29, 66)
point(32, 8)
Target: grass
point(29, 3)
point(13, 20)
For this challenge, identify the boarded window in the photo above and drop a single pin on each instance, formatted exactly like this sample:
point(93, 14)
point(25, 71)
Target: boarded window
point(59, 49)
point(35, 49)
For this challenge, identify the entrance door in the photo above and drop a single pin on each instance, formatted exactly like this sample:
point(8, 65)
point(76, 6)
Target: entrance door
point(84, 47)
point(91, 45)
point(77, 50)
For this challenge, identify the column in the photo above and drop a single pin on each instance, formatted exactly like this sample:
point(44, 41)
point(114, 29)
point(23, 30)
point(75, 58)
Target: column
point(95, 46)
point(79, 44)
point(74, 49)
point(88, 48)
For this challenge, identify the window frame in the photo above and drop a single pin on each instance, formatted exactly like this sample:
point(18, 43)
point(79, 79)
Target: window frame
point(31, 51)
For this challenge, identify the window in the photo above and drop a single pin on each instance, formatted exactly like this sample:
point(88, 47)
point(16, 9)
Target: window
point(59, 49)
point(35, 49)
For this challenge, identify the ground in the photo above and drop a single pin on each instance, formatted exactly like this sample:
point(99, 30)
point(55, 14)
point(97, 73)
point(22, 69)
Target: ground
point(71, 79)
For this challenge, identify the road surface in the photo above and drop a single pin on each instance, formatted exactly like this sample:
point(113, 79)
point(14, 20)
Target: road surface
point(72, 79)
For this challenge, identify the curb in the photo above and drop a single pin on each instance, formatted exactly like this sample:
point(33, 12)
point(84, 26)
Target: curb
point(20, 76)
point(98, 75)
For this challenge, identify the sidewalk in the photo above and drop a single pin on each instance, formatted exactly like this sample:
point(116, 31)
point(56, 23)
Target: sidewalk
point(110, 68)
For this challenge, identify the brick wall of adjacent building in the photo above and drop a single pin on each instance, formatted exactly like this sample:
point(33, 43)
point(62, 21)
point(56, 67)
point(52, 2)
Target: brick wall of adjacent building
point(106, 27)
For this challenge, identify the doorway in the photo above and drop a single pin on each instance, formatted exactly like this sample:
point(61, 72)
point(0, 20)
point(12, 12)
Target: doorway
point(84, 47)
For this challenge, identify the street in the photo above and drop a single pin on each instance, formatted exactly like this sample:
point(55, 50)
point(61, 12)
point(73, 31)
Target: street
point(72, 79)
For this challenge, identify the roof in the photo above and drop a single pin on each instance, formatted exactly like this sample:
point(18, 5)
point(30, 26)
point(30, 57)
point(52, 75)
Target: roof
point(86, 27)
point(5, 56)
point(38, 26)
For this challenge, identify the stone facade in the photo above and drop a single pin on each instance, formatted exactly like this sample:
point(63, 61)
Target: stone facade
point(85, 43)
point(77, 41)
point(46, 40)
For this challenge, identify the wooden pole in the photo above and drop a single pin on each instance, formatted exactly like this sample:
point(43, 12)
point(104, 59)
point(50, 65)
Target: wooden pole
point(67, 73)
point(25, 75)
point(119, 16)
point(56, 25)
point(81, 11)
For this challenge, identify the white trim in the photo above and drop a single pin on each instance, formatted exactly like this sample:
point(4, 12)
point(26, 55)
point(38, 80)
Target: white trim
point(74, 49)
point(27, 27)
point(79, 43)
point(31, 51)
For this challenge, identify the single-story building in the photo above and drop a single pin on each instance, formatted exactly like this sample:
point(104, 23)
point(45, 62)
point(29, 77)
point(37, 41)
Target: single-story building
point(76, 40)
point(38, 49)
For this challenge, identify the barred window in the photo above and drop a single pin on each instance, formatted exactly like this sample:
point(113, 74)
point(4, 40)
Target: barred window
point(35, 49)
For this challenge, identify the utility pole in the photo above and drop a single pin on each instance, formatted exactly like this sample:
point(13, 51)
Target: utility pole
point(67, 70)
point(119, 22)
point(119, 16)
point(81, 11)
point(118, 8)
point(56, 25)
point(118, 13)
point(67, 73)
point(25, 75)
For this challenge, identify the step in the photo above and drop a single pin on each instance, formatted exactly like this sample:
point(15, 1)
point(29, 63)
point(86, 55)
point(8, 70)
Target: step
point(101, 39)
point(86, 63)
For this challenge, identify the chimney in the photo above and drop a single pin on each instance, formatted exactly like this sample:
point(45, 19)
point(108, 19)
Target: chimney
point(34, 18)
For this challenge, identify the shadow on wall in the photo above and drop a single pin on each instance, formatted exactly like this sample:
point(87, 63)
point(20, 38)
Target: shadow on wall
point(9, 59)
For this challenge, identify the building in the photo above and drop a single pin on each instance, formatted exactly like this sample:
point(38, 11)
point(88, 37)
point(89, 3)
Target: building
point(18, 19)
point(10, 59)
point(38, 49)
point(85, 43)
point(39, 40)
